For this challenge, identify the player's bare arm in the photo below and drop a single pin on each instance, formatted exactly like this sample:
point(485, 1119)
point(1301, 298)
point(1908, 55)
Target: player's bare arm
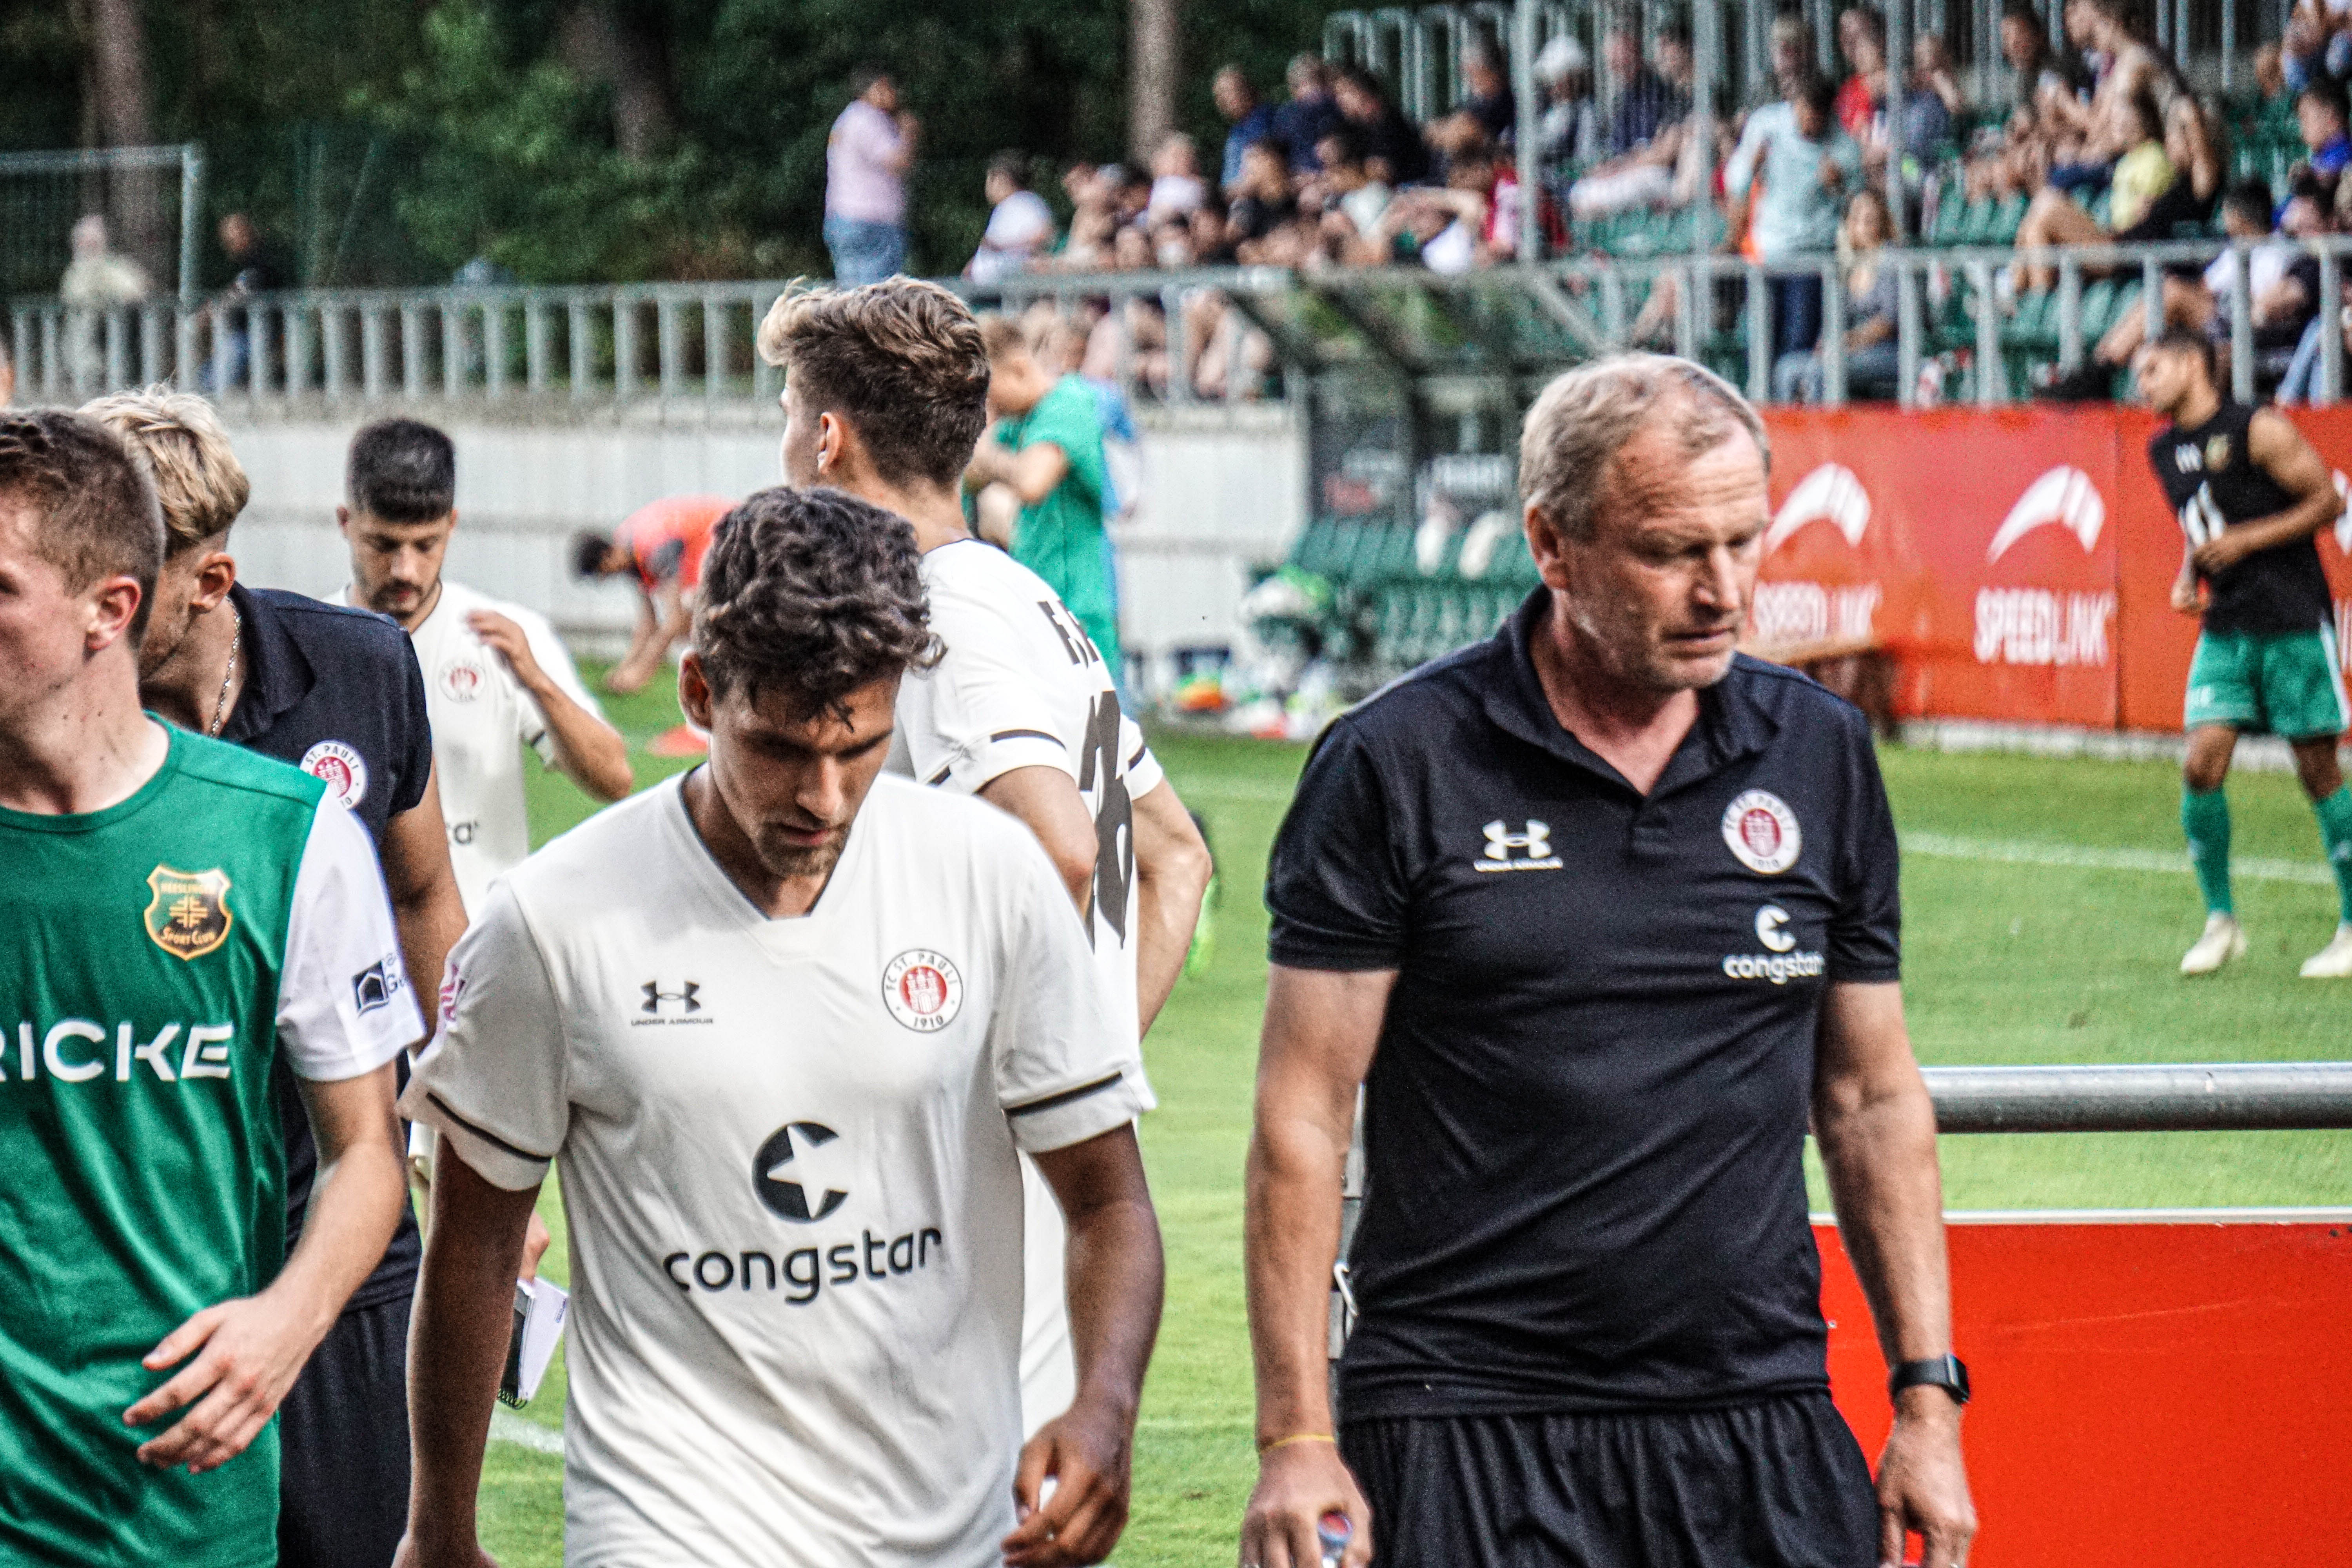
point(586, 748)
point(423, 888)
point(1117, 1281)
point(1876, 1128)
point(1171, 878)
point(660, 623)
point(2280, 451)
point(248, 1351)
point(1321, 1029)
point(1046, 799)
point(464, 1318)
point(1031, 473)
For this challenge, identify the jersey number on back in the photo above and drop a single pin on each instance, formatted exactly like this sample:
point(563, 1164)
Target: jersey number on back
point(1075, 641)
point(1114, 814)
point(2200, 520)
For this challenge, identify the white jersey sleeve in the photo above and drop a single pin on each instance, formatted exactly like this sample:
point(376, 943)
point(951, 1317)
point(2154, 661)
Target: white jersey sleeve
point(556, 659)
point(1143, 770)
point(344, 1003)
point(496, 1082)
point(987, 712)
point(1065, 1069)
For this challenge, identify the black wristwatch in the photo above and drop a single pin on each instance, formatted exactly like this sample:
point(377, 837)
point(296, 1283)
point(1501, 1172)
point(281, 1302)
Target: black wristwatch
point(1947, 1373)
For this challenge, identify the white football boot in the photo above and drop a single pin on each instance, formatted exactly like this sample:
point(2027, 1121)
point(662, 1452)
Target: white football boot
point(2224, 939)
point(2332, 962)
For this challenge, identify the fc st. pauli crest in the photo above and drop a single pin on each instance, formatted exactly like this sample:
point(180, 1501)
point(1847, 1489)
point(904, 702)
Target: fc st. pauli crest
point(188, 916)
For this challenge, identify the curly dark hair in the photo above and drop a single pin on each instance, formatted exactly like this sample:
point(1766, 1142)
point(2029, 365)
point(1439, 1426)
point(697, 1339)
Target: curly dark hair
point(812, 592)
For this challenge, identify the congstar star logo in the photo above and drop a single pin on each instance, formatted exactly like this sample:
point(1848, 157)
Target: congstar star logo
point(778, 1181)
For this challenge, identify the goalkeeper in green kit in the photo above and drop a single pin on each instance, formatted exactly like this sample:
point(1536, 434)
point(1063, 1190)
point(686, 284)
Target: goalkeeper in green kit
point(181, 911)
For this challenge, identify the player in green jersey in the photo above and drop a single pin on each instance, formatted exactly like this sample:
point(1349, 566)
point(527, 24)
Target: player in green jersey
point(182, 912)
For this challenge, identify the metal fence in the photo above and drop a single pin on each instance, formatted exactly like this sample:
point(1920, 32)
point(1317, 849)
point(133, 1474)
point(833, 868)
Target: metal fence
point(1962, 334)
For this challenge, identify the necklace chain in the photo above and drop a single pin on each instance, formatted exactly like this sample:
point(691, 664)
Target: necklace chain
point(228, 672)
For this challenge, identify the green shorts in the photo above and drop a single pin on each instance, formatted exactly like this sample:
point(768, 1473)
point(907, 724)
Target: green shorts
point(2284, 683)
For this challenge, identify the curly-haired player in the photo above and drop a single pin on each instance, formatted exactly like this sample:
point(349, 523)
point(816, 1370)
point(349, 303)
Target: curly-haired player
point(787, 1025)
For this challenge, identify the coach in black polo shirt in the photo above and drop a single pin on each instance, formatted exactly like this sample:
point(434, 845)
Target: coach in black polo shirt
point(1599, 912)
point(337, 693)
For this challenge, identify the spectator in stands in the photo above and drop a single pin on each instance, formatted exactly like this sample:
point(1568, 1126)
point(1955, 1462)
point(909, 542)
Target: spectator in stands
point(1130, 193)
point(1252, 121)
point(1568, 133)
point(1352, 203)
point(1211, 246)
point(2036, 67)
point(2170, 179)
point(1873, 313)
point(866, 156)
point(1177, 190)
point(1393, 150)
point(1312, 113)
point(2113, 30)
point(1020, 224)
point(1263, 199)
point(1647, 102)
point(2319, 117)
point(97, 282)
point(1040, 480)
point(255, 267)
point(1862, 36)
point(2195, 301)
point(2318, 45)
point(1094, 220)
point(1809, 165)
point(1487, 111)
point(1935, 102)
point(1790, 51)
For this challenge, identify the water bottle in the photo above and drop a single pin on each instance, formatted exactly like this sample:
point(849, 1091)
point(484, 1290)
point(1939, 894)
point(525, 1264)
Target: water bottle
point(1332, 1532)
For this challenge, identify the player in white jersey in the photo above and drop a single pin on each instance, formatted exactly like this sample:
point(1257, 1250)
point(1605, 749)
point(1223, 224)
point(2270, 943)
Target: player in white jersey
point(497, 677)
point(886, 390)
point(783, 1025)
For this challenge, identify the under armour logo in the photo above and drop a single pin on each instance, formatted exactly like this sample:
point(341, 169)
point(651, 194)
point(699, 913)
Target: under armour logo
point(1534, 846)
point(655, 996)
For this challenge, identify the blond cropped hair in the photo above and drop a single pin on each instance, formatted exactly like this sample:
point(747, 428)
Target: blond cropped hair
point(178, 440)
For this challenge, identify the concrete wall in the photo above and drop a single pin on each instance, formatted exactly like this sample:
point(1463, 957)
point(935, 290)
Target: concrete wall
point(1224, 489)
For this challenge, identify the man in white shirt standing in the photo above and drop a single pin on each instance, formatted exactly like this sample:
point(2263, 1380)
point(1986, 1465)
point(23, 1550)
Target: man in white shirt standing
point(866, 156)
point(1020, 224)
point(497, 678)
point(885, 393)
point(785, 1025)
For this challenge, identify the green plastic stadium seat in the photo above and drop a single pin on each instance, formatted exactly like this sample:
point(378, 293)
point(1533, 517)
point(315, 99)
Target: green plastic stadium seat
point(2005, 220)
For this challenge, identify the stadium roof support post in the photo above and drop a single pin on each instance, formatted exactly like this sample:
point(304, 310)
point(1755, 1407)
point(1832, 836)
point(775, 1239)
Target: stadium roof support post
point(191, 197)
point(1528, 132)
point(2331, 344)
point(1899, 60)
point(2242, 327)
point(2229, 40)
point(1707, 42)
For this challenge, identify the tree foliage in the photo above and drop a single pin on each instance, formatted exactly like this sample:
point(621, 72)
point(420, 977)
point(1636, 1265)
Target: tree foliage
point(397, 139)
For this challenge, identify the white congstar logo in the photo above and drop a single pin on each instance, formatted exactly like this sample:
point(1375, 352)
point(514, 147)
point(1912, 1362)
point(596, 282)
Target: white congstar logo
point(923, 990)
point(1771, 927)
point(1762, 832)
point(1779, 964)
point(1533, 847)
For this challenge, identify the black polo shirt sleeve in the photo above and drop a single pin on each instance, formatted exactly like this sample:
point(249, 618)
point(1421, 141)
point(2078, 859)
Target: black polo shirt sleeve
point(1865, 926)
point(411, 735)
point(1335, 891)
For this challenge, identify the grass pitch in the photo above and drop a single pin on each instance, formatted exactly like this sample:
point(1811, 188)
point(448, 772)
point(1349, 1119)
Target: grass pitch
point(2006, 963)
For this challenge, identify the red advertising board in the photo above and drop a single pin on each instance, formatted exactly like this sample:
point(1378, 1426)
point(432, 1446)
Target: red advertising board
point(2016, 563)
point(2148, 1395)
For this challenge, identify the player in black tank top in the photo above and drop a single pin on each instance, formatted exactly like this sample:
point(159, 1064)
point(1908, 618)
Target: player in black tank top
point(2215, 483)
point(2252, 494)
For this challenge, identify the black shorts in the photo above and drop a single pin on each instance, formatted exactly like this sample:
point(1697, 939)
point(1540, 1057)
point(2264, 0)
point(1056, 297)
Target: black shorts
point(1777, 1484)
point(343, 1437)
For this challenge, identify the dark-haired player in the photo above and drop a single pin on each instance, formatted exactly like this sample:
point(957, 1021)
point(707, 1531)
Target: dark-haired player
point(187, 916)
point(786, 1025)
point(497, 677)
point(885, 391)
point(661, 546)
point(2252, 494)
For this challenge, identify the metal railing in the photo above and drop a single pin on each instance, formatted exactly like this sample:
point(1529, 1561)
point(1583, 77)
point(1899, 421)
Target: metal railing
point(684, 345)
